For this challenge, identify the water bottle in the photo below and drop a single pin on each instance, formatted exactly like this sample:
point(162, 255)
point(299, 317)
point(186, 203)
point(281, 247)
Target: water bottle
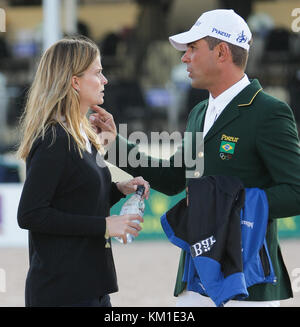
point(134, 205)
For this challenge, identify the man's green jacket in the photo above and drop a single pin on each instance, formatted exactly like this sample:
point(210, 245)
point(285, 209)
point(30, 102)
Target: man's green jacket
point(255, 139)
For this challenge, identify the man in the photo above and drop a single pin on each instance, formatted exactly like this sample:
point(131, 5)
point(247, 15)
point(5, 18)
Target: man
point(247, 134)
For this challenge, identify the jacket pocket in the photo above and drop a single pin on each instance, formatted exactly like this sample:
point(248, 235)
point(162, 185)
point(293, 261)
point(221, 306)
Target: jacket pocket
point(264, 261)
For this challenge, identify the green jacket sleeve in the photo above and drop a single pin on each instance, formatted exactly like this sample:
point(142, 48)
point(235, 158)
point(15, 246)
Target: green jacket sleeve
point(166, 176)
point(278, 145)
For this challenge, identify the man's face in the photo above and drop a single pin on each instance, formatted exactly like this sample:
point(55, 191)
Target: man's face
point(201, 64)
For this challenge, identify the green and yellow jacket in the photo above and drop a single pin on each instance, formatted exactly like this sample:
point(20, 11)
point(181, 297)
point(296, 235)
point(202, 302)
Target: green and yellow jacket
point(255, 139)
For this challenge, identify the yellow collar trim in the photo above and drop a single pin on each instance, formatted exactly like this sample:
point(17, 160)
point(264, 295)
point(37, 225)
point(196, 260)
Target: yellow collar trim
point(248, 104)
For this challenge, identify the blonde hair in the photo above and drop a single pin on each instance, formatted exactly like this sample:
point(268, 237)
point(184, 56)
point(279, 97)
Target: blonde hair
point(52, 99)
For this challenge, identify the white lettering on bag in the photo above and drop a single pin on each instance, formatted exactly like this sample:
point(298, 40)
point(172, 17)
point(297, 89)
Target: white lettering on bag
point(202, 246)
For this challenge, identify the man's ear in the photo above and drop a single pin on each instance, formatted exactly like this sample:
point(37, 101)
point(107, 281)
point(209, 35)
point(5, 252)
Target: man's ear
point(75, 83)
point(223, 51)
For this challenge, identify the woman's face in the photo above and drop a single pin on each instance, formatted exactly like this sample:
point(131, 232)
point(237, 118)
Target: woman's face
point(90, 86)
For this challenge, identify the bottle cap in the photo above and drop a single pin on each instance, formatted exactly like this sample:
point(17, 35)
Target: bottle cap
point(140, 190)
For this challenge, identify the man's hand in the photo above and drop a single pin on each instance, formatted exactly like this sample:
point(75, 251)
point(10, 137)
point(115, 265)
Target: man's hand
point(103, 124)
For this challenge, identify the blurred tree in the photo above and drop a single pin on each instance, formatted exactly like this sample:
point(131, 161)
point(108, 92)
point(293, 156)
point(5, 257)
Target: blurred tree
point(151, 26)
point(25, 2)
point(243, 8)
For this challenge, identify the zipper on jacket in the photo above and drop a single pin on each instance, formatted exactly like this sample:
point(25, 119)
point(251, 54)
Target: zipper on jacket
point(264, 261)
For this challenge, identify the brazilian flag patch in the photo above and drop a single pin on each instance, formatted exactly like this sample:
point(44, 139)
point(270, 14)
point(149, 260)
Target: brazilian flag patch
point(227, 147)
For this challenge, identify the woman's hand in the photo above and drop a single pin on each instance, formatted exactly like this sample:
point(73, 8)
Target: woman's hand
point(130, 186)
point(119, 226)
point(104, 125)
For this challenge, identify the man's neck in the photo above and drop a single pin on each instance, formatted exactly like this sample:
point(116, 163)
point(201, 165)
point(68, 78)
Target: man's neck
point(226, 82)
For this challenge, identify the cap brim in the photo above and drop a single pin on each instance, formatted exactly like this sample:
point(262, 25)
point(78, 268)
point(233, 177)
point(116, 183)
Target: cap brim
point(180, 41)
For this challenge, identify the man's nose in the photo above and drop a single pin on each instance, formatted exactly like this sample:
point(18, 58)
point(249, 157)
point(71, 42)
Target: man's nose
point(104, 80)
point(185, 57)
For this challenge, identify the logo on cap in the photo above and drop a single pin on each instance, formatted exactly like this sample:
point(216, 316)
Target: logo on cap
point(219, 32)
point(242, 38)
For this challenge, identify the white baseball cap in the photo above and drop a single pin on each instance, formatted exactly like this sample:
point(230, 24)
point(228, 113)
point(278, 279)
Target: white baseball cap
point(223, 24)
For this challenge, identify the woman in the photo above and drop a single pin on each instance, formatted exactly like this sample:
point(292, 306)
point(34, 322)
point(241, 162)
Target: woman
point(67, 193)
